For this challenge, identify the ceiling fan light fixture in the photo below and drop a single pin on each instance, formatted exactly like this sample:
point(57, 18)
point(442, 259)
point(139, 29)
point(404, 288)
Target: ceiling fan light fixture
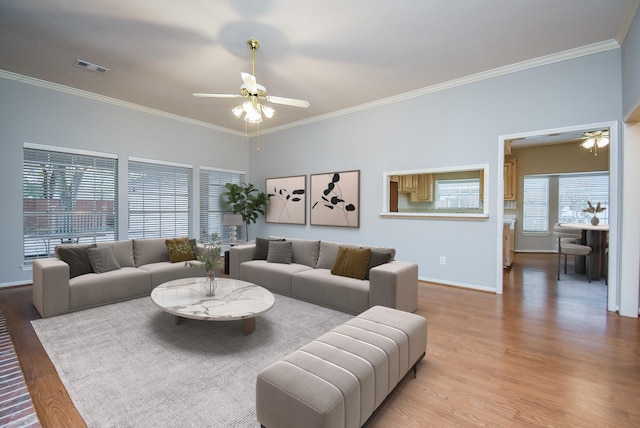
point(595, 140)
point(588, 143)
point(268, 111)
point(237, 111)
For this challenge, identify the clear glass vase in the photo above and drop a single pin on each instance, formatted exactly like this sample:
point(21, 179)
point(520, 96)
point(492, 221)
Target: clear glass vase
point(210, 284)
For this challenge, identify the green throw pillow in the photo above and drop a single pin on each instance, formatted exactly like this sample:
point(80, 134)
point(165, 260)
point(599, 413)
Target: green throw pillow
point(352, 262)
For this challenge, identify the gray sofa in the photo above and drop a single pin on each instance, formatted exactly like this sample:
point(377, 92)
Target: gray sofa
point(308, 275)
point(126, 269)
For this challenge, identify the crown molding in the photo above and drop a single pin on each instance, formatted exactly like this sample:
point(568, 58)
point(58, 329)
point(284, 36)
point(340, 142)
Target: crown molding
point(496, 72)
point(109, 100)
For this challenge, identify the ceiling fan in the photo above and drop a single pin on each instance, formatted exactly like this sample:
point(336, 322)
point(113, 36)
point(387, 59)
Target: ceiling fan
point(254, 93)
point(595, 140)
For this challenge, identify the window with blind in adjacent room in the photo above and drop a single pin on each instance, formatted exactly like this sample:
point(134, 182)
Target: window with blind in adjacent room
point(535, 204)
point(574, 193)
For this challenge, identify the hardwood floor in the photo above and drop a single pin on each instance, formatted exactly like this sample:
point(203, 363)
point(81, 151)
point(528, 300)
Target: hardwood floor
point(545, 353)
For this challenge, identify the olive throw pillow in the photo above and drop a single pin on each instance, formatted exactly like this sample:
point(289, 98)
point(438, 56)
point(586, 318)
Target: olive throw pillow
point(77, 257)
point(352, 262)
point(103, 259)
point(180, 250)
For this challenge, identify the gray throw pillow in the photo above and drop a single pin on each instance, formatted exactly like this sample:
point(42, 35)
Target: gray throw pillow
point(262, 247)
point(380, 256)
point(279, 252)
point(76, 256)
point(103, 259)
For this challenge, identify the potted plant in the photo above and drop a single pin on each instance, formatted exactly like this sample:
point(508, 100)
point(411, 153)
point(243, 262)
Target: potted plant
point(246, 200)
point(594, 210)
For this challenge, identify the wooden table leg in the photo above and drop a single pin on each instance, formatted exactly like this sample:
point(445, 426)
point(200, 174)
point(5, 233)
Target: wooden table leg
point(249, 325)
point(178, 320)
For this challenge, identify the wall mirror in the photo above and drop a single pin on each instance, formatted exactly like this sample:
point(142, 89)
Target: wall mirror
point(452, 192)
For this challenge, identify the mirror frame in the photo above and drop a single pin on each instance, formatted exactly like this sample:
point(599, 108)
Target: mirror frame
point(484, 215)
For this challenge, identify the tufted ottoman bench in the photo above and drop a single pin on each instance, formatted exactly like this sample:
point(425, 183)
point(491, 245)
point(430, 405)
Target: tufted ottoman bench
point(340, 379)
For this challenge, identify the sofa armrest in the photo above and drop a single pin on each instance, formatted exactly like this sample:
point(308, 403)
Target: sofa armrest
point(51, 287)
point(237, 255)
point(394, 284)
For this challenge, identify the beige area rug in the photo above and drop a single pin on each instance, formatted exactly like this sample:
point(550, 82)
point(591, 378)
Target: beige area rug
point(129, 365)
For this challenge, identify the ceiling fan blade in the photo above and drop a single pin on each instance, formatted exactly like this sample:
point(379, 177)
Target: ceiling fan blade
point(250, 82)
point(288, 101)
point(204, 95)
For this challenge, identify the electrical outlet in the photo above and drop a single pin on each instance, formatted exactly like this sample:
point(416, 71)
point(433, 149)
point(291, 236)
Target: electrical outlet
point(443, 260)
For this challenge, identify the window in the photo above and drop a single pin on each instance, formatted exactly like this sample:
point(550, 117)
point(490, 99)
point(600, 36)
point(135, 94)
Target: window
point(536, 204)
point(160, 197)
point(212, 183)
point(68, 196)
point(461, 193)
point(575, 190)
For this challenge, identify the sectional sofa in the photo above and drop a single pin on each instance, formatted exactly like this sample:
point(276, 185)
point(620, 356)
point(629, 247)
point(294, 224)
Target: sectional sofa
point(346, 277)
point(87, 275)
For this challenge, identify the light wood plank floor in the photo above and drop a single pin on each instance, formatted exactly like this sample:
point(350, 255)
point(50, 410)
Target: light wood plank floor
point(545, 353)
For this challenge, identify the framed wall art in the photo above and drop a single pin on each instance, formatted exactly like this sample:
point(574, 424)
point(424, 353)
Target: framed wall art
point(335, 199)
point(288, 201)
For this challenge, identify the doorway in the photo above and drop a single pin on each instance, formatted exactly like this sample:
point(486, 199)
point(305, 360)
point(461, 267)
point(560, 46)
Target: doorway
point(552, 136)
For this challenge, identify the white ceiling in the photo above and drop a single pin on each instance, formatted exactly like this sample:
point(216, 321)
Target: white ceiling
point(338, 54)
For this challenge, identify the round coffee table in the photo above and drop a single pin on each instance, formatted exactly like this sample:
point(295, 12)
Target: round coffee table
point(233, 300)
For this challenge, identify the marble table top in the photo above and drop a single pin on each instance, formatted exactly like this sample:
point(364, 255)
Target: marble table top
point(233, 300)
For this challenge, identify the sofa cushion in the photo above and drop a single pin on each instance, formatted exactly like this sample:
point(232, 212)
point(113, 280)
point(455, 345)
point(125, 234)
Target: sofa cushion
point(339, 292)
point(305, 252)
point(272, 276)
point(279, 252)
point(77, 257)
point(328, 253)
point(262, 247)
point(147, 251)
point(165, 271)
point(180, 250)
point(122, 250)
point(103, 259)
point(380, 256)
point(352, 262)
point(97, 289)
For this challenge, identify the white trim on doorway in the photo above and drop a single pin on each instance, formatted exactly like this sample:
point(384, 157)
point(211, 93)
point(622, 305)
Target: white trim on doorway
point(615, 171)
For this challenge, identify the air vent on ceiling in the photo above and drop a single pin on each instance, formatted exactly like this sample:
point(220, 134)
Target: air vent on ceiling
point(89, 66)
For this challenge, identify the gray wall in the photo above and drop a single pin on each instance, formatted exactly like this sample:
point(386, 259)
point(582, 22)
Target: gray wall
point(631, 70)
point(39, 115)
point(453, 127)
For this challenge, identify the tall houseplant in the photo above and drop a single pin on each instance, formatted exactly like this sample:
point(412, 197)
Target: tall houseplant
point(246, 200)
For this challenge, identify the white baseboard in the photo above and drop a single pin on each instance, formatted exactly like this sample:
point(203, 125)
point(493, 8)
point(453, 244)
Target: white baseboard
point(459, 284)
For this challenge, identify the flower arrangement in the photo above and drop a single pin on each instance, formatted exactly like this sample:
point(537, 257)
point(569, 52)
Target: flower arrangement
point(208, 254)
point(594, 210)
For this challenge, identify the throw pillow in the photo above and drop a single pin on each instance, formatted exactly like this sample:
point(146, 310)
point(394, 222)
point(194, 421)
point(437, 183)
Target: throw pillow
point(76, 256)
point(379, 256)
point(262, 247)
point(179, 250)
point(279, 252)
point(352, 262)
point(103, 259)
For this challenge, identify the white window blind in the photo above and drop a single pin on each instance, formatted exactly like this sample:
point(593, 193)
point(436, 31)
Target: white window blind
point(462, 193)
point(160, 198)
point(212, 184)
point(68, 197)
point(536, 204)
point(575, 190)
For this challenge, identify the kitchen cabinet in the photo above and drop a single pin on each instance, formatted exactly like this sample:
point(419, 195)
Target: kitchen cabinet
point(424, 191)
point(510, 179)
point(508, 244)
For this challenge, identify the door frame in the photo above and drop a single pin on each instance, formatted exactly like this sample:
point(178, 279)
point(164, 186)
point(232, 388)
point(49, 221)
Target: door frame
point(615, 175)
